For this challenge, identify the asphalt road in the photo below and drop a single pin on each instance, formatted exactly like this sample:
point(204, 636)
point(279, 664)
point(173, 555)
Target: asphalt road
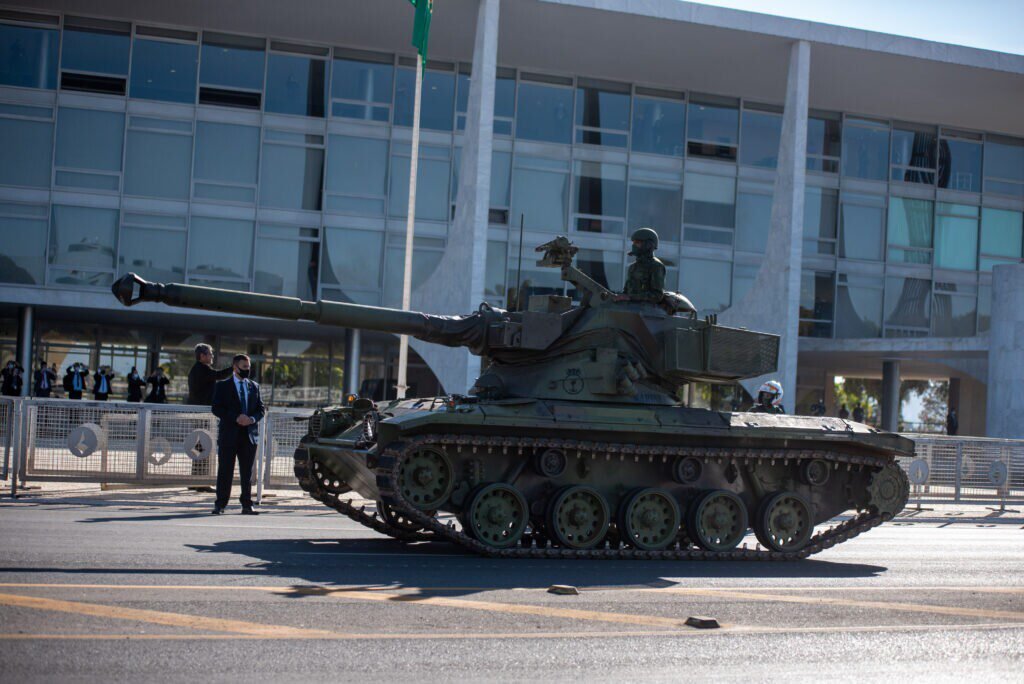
point(146, 586)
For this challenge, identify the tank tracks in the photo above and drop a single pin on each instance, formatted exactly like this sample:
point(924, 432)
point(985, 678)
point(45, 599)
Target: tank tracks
point(376, 521)
point(389, 462)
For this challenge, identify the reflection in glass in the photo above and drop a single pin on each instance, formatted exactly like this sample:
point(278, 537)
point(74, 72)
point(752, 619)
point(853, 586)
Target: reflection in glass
point(1004, 166)
point(544, 113)
point(95, 50)
point(956, 237)
point(866, 150)
point(424, 263)
point(365, 83)
point(286, 267)
point(31, 144)
point(753, 221)
point(501, 172)
point(219, 248)
point(352, 258)
point(913, 156)
point(953, 315)
point(90, 139)
point(154, 254)
point(862, 220)
point(761, 133)
point(984, 308)
point(23, 236)
point(157, 164)
point(709, 200)
point(713, 123)
point(706, 283)
point(599, 190)
point(292, 177)
point(960, 164)
point(817, 302)
point(431, 186)
point(604, 267)
point(232, 61)
point(357, 168)
point(1002, 234)
point(823, 144)
point(164, 71)
point(494, 272)
point(658, 126)
point(820, 209)
point(227, 156)
point(504, 99)
point(539, 191)
point(907, 305)
point(29, 57)
point(743, 277)
point(438, 103)
point(910, 226)
point(83, 237)
point(295, 85)
point(607, 110)
point(859, 309)
point(657, 206)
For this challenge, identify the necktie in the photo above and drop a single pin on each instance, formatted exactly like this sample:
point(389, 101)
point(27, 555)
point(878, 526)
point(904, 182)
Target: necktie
point(45, 384)
point(103, 384)
point(242, 395)
point(78, 382)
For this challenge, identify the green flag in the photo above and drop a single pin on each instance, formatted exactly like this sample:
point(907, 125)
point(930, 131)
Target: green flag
point(421, 26)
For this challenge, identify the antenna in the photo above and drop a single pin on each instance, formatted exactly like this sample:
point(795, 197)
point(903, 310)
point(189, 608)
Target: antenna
point(519, 273)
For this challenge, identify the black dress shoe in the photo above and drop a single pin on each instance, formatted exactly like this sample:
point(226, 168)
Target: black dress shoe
point(249, 511)
point(217, 510)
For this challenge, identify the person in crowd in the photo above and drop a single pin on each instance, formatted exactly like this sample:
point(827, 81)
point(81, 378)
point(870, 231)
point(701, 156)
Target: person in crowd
point(12, 374)
point(159, 381)
point(858, 414)
point(43, 381)
point(202, 377)
point(75, 379)
point(952, 423)
point(101, 383)
point(769, 398)
point(135, 385)
point(844, 413)
point(237, 403)
point(818, 408)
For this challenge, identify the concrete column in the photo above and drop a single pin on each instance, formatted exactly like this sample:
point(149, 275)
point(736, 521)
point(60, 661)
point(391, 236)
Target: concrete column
point(26, 320)
point(890, 395)
point(353, 357)
point(773, 303)
point(954, 395)
point(1006, 354)
point(457, 285)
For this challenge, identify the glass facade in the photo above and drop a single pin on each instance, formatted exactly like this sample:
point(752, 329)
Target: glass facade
point(283, 168)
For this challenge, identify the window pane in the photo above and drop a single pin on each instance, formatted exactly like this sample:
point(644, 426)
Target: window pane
point(817, 295)
point(24, 249)
point(1004, 167)
point(706, 283)
point(292, 177)
point(761, 133)
point(103, 52)
point(164, 71)
point(157, 255)
point(431, 188)
point(295, 85)
point(862, 229)
point(913, 149)
point(858, 312)
point(960, 165)
point(29, 57)
point(424, 262)
point(31, 144)
point(954, 316)
point(910, 225)
point(865, 151)
point(544, 113)
point(604, 267)
point(540, 197)
point(819, 220)
point(597, 108)
point(504, 97)
point(655, 206)
point(743, 277)
point(713, 123)
point(158, 165)
point(89, 139)
point(907, 303)
point(823, 137)
point(501, 171)
point(710, 200)
point(231, 63)
point(494, 273)
point(658, 126)
point(438, 102)
point(352, 258)
point(362, 81)
point(226, 152)
point(753, 221)
point(83, 237)
point(286, 267)
point(219, 248)
point(1001, 232)
point(956, 241)
point(984, 308)
point(600, 190)
point(357, 166)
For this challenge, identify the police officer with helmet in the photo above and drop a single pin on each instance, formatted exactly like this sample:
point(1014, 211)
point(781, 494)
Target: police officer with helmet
point(769, 398)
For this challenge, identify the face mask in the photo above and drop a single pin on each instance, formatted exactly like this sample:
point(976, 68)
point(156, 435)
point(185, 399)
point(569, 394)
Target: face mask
point(242, 372)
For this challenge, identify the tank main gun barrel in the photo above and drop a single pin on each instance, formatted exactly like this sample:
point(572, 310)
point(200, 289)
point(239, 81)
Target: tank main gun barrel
point(453, 331)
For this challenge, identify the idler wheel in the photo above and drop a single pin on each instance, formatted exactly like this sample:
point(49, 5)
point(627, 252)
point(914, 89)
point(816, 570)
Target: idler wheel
point(550, 462)
point(815, 472)
point(687, 470)
point(497, 515)
point(650, 519)
point(784, 522)
point(717, 520)
point(888, 491)
point(397, 519)
point(425, 478)
point(578, 517)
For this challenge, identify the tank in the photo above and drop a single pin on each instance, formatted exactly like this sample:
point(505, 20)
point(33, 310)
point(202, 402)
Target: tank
point(573, 442)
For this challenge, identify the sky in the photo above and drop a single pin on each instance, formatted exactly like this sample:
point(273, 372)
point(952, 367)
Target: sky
point(988, 24)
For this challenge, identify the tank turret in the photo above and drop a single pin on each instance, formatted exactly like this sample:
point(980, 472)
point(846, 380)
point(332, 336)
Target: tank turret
point(607, 348)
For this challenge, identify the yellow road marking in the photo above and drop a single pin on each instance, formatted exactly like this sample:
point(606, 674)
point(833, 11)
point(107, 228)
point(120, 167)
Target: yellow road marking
point(157, 617)
point(853, 603)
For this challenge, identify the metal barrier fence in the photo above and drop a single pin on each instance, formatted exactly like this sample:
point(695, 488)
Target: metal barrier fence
point(7, 422)
point(965, 470)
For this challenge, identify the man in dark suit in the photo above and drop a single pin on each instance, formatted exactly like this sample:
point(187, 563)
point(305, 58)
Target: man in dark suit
point(101, 386)
point(237, 403)
point(201, 379)
point(43, 381)
point(75, 379)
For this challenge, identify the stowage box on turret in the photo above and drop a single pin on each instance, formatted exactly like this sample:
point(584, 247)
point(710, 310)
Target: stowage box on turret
point(574, 443)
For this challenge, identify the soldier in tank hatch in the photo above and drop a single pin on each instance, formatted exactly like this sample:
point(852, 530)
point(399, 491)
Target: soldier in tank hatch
point(645, 279)
point(769, 398)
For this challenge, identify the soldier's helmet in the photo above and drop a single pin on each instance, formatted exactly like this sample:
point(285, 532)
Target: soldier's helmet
point(646, 235)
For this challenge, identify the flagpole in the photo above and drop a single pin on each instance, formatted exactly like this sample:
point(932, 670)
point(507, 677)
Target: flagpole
point(410, 223)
